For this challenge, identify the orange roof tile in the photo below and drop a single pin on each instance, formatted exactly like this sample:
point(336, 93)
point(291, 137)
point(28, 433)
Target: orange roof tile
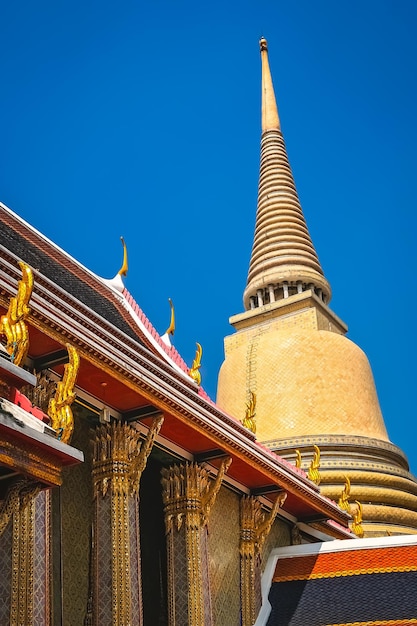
point(347, 563)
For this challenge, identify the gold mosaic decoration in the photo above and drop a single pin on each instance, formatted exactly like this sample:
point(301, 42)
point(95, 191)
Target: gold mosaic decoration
point(195, 367)
point(59, 409)
point(249, 419)
point(123, 270)
point(345, 495)
point(298, 459)
point(40, 395)
point(119, 459)
point(224, 558)
point(21, 607)
point(16, 498)
point(255, 525)
point(188, 496)
point(357, 520)
point(313, 470)
point(171, 328)
point(73, 514)
point(13, 323)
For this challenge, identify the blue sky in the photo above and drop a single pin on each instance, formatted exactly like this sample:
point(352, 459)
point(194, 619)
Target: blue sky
point(142, 119)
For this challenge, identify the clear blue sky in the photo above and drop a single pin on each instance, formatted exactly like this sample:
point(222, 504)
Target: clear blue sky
point(142, 119)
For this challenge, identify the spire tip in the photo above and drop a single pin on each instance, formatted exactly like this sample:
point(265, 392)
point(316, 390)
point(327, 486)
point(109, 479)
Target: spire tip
point(263, 44)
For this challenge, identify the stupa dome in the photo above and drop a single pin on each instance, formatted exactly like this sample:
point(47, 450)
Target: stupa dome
point(307, 382)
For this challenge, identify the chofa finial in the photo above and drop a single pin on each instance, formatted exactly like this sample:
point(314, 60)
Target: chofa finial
point(123, 270)
point(195, 367)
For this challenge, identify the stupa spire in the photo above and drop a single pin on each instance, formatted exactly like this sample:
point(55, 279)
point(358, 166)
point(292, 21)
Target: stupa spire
point(270, 117)
point(283, 260)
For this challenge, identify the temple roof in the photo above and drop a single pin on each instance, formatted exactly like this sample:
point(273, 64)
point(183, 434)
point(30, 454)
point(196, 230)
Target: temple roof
point(358, 581)
point(126, 366)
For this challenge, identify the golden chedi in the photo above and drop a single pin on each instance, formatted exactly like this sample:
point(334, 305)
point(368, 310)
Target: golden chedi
point(313, 386)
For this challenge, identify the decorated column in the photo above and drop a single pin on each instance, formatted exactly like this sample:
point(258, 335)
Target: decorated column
point(188, 494)
point(24, 553)
point(255, 524)
point(119, 459)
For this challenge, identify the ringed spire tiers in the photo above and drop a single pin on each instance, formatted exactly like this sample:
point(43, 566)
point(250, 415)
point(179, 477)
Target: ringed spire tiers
point(283, 260)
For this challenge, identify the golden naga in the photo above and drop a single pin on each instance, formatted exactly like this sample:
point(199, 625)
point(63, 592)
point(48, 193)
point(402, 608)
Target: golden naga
point(344, 496)
point(313, 471)
point(195, 367)
point(171, 328)
point(249, 419)
point(298, 459)
point(123, 270)
point(59, 409)
point(13, 323)
point(357, 521)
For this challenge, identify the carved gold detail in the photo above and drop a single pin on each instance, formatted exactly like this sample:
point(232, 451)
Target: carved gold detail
point(13, 323)
point(195, 367)
point(59, 409)
point(357, 520)
point(298, 459)
point(17, 497)
point(255, 525)
point(343, 501)
point(313, 470)
point(249, 419)
point(123, 270)
point(188, 496)
point(22, 456)
point(171, 328)
point(188, 488)
point(119, 458)
point(41, 394)
point(20, 507)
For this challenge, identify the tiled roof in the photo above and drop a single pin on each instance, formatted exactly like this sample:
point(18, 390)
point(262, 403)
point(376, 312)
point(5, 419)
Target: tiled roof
point(40, 260)
point(170, 351)
point(348, 563)
point(346, 587)
point(365, 599)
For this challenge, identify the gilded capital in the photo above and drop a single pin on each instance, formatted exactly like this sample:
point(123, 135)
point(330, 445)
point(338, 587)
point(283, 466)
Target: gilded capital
point(189, 493)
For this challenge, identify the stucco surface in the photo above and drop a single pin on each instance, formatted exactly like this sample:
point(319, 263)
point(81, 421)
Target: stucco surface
point(306, 382)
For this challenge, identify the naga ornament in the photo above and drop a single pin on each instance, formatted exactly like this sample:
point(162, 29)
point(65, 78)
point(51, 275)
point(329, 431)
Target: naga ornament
point(59, 409)
point(194, 370)
point(13, 323)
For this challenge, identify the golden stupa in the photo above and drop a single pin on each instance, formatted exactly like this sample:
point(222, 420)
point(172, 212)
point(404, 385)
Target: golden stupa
point(313, 386)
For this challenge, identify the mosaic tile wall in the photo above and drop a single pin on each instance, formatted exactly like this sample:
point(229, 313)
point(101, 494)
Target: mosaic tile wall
point(280, 535)
point(103, 578)
point(224, 558)
point(179, 608)
point(76, 502)
point(135, 559)
point(41, 612)
point(5, 580)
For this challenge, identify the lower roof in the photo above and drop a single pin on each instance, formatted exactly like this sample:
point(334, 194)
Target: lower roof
point(362, 582)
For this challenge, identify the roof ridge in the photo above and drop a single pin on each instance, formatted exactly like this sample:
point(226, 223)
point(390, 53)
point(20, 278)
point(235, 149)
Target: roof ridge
point(169, 351)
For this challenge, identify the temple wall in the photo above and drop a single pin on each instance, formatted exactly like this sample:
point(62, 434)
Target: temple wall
point(279, 536)
point(6, 580)
point(76, 505)
point(224, 558)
